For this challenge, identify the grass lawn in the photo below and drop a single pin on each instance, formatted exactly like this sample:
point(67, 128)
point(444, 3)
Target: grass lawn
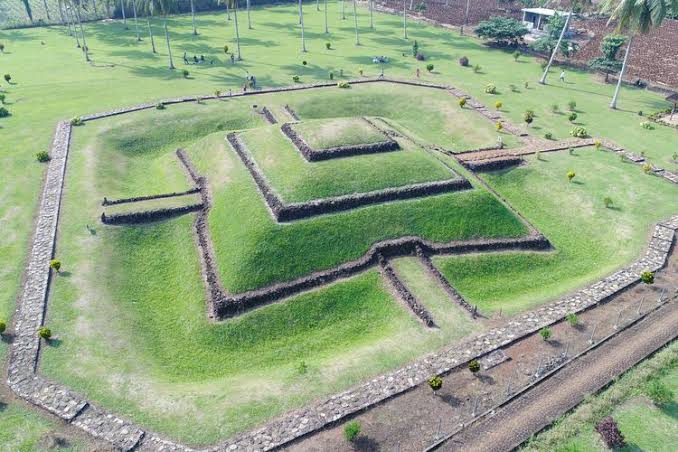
point(324, 134)
point(645, 426)
point(590, 240)
point(297, 179)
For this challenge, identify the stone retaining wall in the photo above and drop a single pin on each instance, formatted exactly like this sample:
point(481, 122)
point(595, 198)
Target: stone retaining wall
point(269, 116)
point(404, 293)
point(296, 211)
point(291, 112)
point(149, 216)
point(314, 155)
point(112, 202)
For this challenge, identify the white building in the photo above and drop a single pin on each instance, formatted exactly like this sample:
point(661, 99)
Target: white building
point(535, 19)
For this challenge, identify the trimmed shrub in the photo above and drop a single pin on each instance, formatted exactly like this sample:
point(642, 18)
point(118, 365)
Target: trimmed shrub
point(647, 125)
point(55, 264)
point(572, 319)
point(572, 105)
point(435, 383)
point(659, 392)
point(420, 57)
point(463, 61)
point(647, 168)
point(607, 201)
point(331, 75)
point(572, 117)
point(415, 48)
point(647, 277)
point(217, 93)
point(476, 68)
point(2, 47)
point(328, 45)
point(528, 117)
point(304, 62)
point(545, 333)
point(499, 126)
point(3, 326)
point(77, 121)
point(597, 144)
point(610, 433)
point(7, 77)
point(579, 132)
point(343, 84)
point(498, 105)
point(516, 55)
point(462, 102)
point(361, 72)
point(570, 175)
point(2, 98)
point(570, 151)
point(160, 106)
point(429, 67)
point(352, 431)
point(527, 85)
point(295, 78)
point(185, 73)
point(548, 135)
point(226, 48)
point(42, 156)
point(4, 112)
point(44, 332)
point(474, 366)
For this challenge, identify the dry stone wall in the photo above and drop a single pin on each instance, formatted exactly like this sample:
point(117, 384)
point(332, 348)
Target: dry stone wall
point(111, 202)
point(148, 216)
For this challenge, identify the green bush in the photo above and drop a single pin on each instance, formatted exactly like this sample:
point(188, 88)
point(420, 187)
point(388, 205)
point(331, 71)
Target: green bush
point(343, 84)
point(463, 61)
point(328, 45)
point(42, 156)
point(435, 383)
point(502, 30)
point(572, 105)
point(429, 67)
point(570, 175)
point(2, 47)
point(295, 78)
point(77, 121)
point(545, 333)
point(44, 332)
point(528, 117)
point(548, 135)
point(462, 102)
point(498, 105)
point(572, 117)
point(226, 48)
point(476, 68)
point(597, 144)
point(516, 55)
point(8, 78)
point(607, 201)
point(647, 125)
point(659, 392)
point(474, 366)
point(490, 88)
point(4, 112)
point(160, 106)
point(3, 326)
point(304, 62)
point(647, 277)
point(352, 431)
point(647, 168)
point(302, 368)
point(2, 98)
point(579, 132)
point(572, 319)
point(55, 264)
point(185, 73)
point(331, 75)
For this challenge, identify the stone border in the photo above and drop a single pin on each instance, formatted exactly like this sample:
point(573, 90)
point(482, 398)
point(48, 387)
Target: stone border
point(404, 293)
point(283, 212)
point(291, 113)
point(268, 115)
point(112, 202)
point(24, 381)
point(148, 216)
point(315, 155)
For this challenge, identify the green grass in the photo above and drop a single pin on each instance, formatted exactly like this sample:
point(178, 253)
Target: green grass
point(324, 134)
point(590, 240)
point(296, 179)
point(645, 426)
point(153, 204)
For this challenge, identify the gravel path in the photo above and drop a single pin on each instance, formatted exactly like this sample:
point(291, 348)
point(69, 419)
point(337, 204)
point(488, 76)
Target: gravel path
point(538, 408)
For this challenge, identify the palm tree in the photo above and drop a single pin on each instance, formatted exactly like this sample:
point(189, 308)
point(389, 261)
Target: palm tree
point(249, 20)
point(343, 10)
point(164, 6)
point(468, 5)
point(327, 30)
point(124, 18)
point(44, 2)
point(195, 30)
point(638, 16)
point(573, 5)
point(76, 6)
point(355, 17)
point(233, 4)
point(369, 3)
point(317, 5)
point(301, 21)
point(150, 30)
point(136, 24)
point(404, 19)
point(71, 17)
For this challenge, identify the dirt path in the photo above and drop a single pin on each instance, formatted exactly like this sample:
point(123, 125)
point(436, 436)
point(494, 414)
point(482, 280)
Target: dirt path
point(517, 421)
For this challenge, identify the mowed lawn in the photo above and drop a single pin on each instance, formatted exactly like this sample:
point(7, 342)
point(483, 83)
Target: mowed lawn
point(590, 240)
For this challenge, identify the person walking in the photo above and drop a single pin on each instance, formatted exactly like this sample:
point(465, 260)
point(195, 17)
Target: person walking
point(562, 76)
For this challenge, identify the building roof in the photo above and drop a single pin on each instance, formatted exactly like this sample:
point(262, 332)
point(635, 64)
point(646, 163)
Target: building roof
point(544, 11)
point(672, 98)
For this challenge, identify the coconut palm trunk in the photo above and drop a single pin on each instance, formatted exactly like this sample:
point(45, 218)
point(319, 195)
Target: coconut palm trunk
point(136, 23)
point(317, 5)
point(237, 31)
point(355, 18)
point(150, 33)
point(61, 15)
point(301, 21)
point(169, 48)
point(369, 3)
point(44, 2)
point(94, 7)
point(124, 18)
point(249, 19)
point(82, 32)
point(228, 12)
point(327, 30)
point(343, 9)
point(555, 51)
point(70, 14)
point(404, 19)
point(463, 24)
point(195, 30)
point(613, 104)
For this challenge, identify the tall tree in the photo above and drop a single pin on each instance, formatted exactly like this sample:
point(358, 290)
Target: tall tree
point(574, 5)
point(249, 19)
point(355, 17)
point(136, 23)
point(468, 6)
point(44, 2)
point(327, 30)
point(301, 21)
point(369, 2)
point(195, 30)
point(150, 30)
point(29, 11)
point(343, 10)
point(404, 19)
point(71, 16)
point(608, 63)
point(124, 17)
point(233, 5)
point(61, 15)
point(164, 7)
point(77, 4)
point(636, 16)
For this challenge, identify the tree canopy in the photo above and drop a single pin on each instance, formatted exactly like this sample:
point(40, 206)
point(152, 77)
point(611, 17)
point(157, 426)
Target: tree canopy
point(503, 30)
point(608, 63)
point(548, 42)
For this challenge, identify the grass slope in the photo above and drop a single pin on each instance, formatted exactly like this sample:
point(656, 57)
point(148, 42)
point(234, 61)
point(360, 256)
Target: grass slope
point(324, 134)
point(590, 240)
